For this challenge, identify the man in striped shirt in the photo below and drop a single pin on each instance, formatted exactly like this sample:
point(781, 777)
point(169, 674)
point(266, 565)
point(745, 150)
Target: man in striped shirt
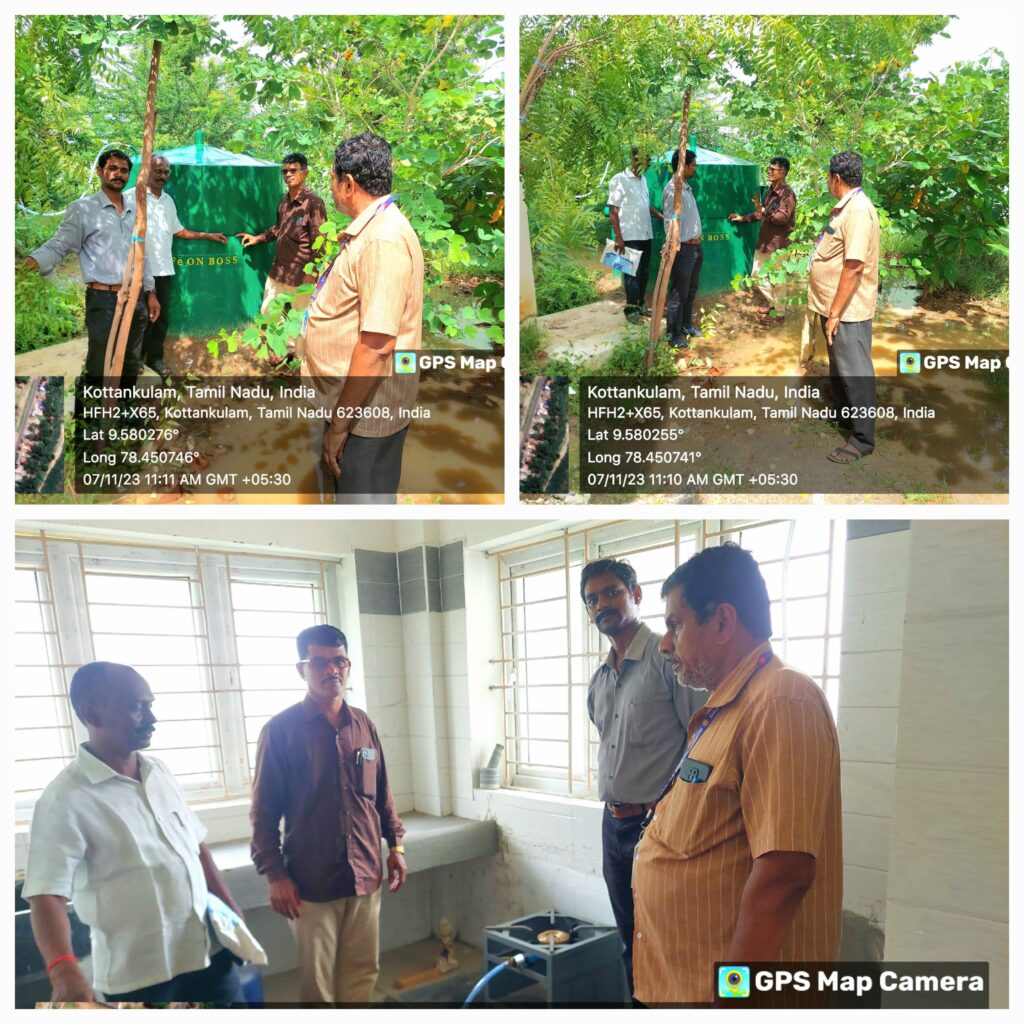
point(742, 860)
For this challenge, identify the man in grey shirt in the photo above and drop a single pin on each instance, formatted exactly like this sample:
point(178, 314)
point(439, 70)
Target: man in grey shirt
point(641, 714)
point(99, 228)
point(685, 275)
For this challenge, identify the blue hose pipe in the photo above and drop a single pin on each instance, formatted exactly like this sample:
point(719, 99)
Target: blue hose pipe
point(519, 959)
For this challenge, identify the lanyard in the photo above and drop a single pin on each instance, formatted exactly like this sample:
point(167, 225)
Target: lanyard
point(712, 714)
point(322, 279)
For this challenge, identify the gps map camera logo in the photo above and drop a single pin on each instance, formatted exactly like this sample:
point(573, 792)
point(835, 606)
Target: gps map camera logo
point(910, 362)
point(405, 362)
point(733, 982)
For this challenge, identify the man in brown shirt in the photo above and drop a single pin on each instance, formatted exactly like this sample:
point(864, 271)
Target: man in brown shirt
point(842, 290)
point(741, 861)
point(299, 216)
point(367, 312)
point(778, 218)
point(320, 766)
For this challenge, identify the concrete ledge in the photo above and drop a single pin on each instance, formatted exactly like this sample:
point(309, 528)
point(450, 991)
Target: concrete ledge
point(430, 842)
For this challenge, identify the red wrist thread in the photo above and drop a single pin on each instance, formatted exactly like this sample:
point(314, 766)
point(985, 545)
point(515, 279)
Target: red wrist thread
point(61, 959)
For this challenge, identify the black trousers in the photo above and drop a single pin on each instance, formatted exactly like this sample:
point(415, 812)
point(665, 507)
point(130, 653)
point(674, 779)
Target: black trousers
point(852, 375)
point(216, 985)
point(684, 280)
point(156, 332)
point(99, 316)
point(371, 470)
point(636, 286)
point(619, 837)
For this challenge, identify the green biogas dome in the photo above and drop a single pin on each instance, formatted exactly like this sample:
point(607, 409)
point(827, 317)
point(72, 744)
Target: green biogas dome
point(219, 285)
point(722, 185)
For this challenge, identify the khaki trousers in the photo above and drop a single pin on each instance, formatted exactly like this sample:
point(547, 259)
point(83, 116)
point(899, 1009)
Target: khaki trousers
point(338, 949)
point(762, 286)
point(271, 290)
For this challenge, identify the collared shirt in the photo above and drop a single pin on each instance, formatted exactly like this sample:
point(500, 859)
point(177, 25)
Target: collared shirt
point(689, 215)
point(93, 228)
point(376, 286)
point(331, 787)
point(628, 192)
point(127, 853)
point(641, 714)
point(162, 225)
point(777, 216)
point(297, 227)
point(852, 233)
point(774, 785)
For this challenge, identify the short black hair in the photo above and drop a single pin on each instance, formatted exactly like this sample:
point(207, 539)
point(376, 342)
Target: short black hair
point(690, 157)
point(107, 154)
point(296, 158)
point(367, 158)
point(848, 166)
point(780, 161)
point(322, 636)
point(623, 570)
point(725, 574)
point(89, 682)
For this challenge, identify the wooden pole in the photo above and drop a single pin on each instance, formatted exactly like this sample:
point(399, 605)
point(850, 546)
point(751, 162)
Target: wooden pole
point(131, 285)
point(672, 240)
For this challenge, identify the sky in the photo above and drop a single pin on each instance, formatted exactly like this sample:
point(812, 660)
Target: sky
point(970, 35)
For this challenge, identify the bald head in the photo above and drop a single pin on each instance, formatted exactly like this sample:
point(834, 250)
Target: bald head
point(114, 703)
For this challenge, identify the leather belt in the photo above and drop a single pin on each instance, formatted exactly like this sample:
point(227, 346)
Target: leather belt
point(97, 287)
point(693, 241)
point(627, 810)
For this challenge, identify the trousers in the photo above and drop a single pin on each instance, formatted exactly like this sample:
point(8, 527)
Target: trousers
point(338, 949)
point(852, 375)
point(619, 837)
point(635, 285)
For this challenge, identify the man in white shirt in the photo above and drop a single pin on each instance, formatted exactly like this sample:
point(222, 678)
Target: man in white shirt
point(685, 276)
point(114, 833)
point(630, 209)
point(162, 225)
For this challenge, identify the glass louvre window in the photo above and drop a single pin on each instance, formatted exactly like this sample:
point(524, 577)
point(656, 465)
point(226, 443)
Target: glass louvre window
point(213, 634)
point(550, 649)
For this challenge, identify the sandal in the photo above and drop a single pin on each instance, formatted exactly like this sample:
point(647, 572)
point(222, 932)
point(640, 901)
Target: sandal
point(844, 455)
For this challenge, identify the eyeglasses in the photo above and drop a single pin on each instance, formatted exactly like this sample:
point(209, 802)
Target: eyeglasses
point(289, 171)
point(320, 663)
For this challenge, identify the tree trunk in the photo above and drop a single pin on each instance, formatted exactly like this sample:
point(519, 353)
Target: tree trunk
point(131, 285)
point(672, 241)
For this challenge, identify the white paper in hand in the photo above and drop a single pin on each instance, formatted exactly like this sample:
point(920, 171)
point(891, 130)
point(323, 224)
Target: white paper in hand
point(232, 932)
point(626, 262)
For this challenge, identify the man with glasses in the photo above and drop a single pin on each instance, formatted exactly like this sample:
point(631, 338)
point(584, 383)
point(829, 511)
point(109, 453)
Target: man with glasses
point(641, 716)
point(299, 216)
point(777, 216)
point(320, 766)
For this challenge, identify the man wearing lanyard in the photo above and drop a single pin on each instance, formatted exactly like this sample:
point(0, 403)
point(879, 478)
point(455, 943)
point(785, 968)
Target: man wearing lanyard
point(100, 228)
point(741, 861)
point(320, 766)
point(640, 713)
point(842, 290)
point(367, 308)
point(685, 277)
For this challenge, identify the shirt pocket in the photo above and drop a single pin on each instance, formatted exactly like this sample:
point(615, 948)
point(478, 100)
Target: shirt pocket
point(366, 778)
point(295, 226)
point(830, 247)
point(652, 720)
